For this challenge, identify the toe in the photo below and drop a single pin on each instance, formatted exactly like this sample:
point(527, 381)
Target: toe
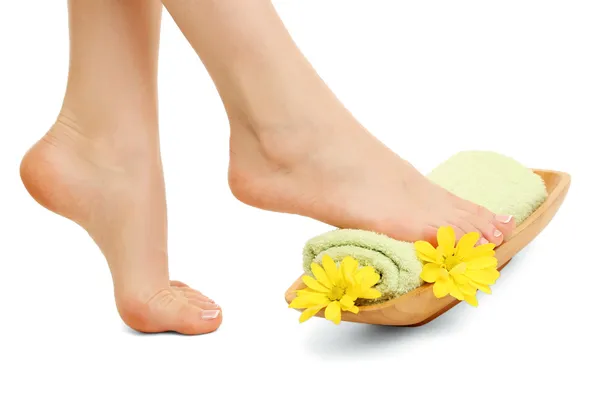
point(475, 209)
point(506, 224)
point(463, 226)
point(202, 304)
point(494, 228)
point(486, 228)
point(170, 311)
point(429, 234)
point(175, 283)
point(191, 319)
point(473, 224)
point(192, 293)
point(460, 228)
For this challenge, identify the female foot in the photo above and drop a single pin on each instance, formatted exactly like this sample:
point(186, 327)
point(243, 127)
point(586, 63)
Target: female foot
point(296, 149)
point(337, 173)
point(117, 195)
point(100, 164)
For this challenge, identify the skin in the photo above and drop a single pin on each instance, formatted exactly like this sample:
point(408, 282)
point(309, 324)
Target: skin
point(100, 165)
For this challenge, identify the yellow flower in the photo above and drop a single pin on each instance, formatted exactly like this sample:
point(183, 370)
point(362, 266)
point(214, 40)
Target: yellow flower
point(335, 289)
point(459, 271)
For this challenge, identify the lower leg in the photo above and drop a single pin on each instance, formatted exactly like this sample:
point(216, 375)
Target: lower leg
point(295, 148)
point(100, 165)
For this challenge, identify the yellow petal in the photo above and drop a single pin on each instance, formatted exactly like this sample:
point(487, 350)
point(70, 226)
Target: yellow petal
point(479, 251)
point(320, 274)
point(349, 267)
point(466, 243)
point(430, 272)
point(467, 288)
point(308, 291)
point(446, 240)
point(496, 275)
point(443, 274)
point(370, 270)
point(359, 275)
point(460, 278)
point(347, 301)
point(485, 276)
point(333, 312)
point(481, 287)
point(441, 287)
point(298, 303)
point(308, 313)
point(331, 269)
point(309, 299)
point(366, 277)
point(426, 252)
point(458, 269)
point(482, 263)
point(471, 300)
point(369, 293)
point(455, 291)
point(314, 284)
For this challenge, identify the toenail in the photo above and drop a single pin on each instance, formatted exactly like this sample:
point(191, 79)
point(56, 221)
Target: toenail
point(482, 241)
point(497, 233)
point(210, 314)
point(503, 219)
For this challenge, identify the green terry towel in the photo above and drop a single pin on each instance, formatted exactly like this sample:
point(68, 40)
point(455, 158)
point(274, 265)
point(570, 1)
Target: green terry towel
point(489, 179)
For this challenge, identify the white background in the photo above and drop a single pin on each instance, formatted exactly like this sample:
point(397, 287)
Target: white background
point(429, 78)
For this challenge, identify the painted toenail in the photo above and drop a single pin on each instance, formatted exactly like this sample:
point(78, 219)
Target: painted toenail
point(497, 233)
point(210, 314)
point(503, 219)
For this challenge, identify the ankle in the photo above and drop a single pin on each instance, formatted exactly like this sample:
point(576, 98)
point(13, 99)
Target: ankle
point(270, 165)
point(114, 140)
point(101, 109)
point(299, 139)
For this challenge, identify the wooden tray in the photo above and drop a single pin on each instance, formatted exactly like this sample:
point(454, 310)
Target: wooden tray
point(420, 306)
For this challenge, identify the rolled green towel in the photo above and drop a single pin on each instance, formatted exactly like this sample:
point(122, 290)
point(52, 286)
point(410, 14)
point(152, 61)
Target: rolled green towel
point(489, 179)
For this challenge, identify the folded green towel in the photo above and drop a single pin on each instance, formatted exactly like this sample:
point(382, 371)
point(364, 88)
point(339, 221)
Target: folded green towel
point(489, 179)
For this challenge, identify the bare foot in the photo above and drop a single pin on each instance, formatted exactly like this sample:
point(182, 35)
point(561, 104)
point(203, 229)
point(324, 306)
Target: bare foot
point(114, 189)
point(294, 146)
point(338, 173)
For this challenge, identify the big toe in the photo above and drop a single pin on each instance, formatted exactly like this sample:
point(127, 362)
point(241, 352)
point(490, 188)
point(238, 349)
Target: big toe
point(506, 224)
point(192, 317)
point(494, 228)
point(172, 311)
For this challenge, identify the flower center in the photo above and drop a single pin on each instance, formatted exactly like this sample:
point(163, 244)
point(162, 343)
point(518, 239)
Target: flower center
point(452, 261)
point(336, 293)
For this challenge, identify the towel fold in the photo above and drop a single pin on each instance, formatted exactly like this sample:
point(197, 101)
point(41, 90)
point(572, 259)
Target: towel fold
point(489, 179)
